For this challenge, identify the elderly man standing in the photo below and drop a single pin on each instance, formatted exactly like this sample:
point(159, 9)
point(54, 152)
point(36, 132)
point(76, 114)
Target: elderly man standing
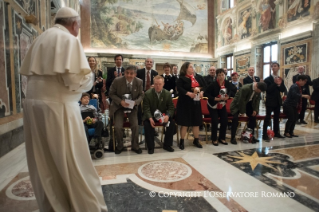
point(160, 99)
point(60, 167)
point(251, 78)
point(127, 84)
point(211, 77)
point(305, 91)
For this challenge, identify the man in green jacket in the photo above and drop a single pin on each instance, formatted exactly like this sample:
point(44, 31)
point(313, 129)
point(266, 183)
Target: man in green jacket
point(160, 99)
point(246, 102)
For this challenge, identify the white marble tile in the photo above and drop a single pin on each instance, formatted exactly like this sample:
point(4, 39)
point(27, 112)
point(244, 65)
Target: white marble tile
point(11, 164)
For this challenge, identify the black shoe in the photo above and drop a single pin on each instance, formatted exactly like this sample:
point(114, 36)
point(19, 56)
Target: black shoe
point(316, 121)
point(215, 143)
point(168, 148)
point(150, 151)
point(293, 135)
point(181, 144)
point(225, 143)
point(117, 151)
point(279, 136)
point(137, 151)
point(303, 122)
point(156, 133)
point(287, 135)
point(197, 144)
point(254, 140)
point(233, 141)
point(266, 138)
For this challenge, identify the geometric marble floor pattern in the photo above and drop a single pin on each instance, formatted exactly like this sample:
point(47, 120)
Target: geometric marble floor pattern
point(281, 175)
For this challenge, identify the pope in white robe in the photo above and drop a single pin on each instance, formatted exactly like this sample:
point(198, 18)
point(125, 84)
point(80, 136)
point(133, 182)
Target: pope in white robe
point(59, 162)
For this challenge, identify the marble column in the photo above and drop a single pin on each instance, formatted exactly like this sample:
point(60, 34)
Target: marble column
point(256, 60)
point(315, 52)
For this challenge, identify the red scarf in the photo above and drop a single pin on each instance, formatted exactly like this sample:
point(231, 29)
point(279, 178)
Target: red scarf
point(194, 81)
point(300, 101)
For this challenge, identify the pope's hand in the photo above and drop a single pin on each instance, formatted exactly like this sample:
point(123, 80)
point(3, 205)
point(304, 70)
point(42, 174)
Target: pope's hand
point(166, 118)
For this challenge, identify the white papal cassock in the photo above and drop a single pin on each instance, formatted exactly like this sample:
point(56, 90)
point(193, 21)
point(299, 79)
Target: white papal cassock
point(60, 166)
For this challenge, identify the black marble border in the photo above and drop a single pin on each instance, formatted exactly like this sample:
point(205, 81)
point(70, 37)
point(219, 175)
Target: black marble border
point(132, 197)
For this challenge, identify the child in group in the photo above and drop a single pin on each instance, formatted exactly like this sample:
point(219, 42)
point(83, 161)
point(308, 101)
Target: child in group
point(90, 117)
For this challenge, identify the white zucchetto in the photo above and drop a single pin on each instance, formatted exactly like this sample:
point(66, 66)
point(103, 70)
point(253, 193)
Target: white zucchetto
point(66, 12)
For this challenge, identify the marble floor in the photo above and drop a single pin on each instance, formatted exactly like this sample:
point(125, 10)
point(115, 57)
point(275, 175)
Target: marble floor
point(280, 175)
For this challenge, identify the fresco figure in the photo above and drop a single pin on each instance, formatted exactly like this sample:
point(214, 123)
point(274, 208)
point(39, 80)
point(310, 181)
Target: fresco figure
point(245, 25)
point(227, 32)
point(265, 15)
point(297, 8)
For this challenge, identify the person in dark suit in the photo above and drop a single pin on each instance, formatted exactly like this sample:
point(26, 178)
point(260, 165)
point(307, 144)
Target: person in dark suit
point(114, 72)
point(146, 75)
point(176, 75)
point(315, 97)
point(293, 104)
point(275, 85)
point(217, 93)
point(246, 102)
point(98, 79)
point(305, 90)
point(160, 99)
point(251, 78)
point(188, 109)
point(227, 78)
point(169, 80)
point(127, 84)
point(2, 110)
point(211, 77)
point(235, 84)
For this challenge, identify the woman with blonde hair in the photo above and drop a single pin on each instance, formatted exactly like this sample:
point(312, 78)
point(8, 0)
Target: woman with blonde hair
point(98, 79)
point(190, 87)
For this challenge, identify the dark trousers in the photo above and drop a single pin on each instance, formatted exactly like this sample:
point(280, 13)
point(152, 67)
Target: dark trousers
point(222, 115)
point(316, 110)
point(303, 110)
point(292, 115)
point(275, 120)
point(98, 125)
point(150, 132)
point(118, 127)
point(251, 122)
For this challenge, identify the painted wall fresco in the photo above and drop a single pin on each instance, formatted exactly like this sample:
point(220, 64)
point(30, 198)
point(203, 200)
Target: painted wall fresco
point(242, 63)
point(244, 24)
point(4, 87)
point(161, 25)
point(267, 20)
point(295, 54)
point(297, 9)
point(15, 40)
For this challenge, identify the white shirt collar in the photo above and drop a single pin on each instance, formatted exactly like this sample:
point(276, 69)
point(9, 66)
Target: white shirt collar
point(118, 67)
point(274, 76)
point(127, 82)
point(165, 75)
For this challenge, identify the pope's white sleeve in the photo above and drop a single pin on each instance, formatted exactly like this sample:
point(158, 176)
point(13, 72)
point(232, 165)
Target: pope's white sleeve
point(78, 82)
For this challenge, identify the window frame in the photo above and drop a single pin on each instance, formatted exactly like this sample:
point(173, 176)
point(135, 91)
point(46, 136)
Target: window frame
point(230, 70)
point(271, 44)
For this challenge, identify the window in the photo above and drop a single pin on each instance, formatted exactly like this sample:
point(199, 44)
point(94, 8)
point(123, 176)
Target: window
point(270, 55)
point(227, 4)
point(229, 64)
